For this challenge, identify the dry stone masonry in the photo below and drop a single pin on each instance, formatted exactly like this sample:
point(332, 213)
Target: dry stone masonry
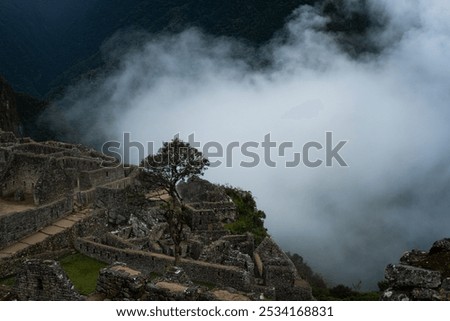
point(44, 281)
point(57, 196)
point(420, 275)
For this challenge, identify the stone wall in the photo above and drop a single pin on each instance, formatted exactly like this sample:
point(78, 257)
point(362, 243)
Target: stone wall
point(22, 174)
point(51, 246)
point(78, 163)
point(100, 177)
point(119, 282)
point(37, 148)
point(54, 183)
point(115, 241)
point(15, 226)
point(85, 197)
point(420, 275)
point(243, 243)
point(224, 253)
point(209, 221)
point(151, 262)
point(275, 268)
point(200, 190)
point(4, 157)
point(44, 281)
point(7, 137)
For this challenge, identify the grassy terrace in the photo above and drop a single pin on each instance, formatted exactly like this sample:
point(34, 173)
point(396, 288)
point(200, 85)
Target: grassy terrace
point(82, 271)
point(8, 281)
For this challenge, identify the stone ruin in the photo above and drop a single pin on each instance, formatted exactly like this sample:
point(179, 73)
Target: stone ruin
point(39, 280)
point(43, 182)
point(420, 275)
point(57, 197)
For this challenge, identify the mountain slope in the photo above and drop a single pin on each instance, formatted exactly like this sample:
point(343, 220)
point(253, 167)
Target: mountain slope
point(42, 39)
point(9, 119)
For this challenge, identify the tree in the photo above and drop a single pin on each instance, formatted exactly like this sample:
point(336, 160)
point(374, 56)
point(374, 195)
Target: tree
point(176, 161)
point(249, 218)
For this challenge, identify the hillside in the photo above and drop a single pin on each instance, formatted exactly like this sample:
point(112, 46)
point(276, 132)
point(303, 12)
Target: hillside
point(9, 119)
point(48, 44)
point(19, 113)
point(42, 39)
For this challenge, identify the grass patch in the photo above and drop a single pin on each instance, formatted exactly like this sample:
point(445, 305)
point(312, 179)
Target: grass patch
point(154, 275)
point(8, 281)
point(82, 271)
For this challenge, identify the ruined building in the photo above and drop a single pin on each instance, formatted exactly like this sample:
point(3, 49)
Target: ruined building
point(58, 197)
point(420, 275)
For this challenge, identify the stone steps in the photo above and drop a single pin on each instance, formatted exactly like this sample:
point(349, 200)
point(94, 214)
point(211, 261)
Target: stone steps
point(57, 227)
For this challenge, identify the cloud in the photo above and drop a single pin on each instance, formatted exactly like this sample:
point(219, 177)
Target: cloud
point(392, 106)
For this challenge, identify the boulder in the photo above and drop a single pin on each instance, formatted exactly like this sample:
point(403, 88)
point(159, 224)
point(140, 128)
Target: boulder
point(413, 257)
point(393, 295)
point(404, 276)
point(421, 294)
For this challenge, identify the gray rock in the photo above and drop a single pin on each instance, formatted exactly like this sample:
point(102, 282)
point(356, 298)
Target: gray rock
point(392, 295)
point(413, 257)
point(139, 228)
point(446, 285)
point(425, 294)
point(403, 276)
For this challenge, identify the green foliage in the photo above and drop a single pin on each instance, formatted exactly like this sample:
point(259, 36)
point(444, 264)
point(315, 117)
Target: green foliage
point(320, 289)
point(383, 285)
point(343, 293)
point(175, 161)
point(249, 218)
point(305, 272)
point(82, 271)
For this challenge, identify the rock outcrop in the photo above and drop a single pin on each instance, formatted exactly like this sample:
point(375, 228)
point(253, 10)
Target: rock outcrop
point(420, 276)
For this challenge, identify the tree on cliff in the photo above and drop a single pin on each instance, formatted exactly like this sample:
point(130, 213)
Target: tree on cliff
point(175, 161)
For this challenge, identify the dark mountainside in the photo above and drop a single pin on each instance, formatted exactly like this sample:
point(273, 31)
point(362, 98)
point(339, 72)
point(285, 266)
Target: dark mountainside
point(9, 119)
point(19, 113)
point(46, 44)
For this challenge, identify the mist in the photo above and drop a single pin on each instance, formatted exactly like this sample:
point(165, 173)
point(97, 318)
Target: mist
point(390, 105)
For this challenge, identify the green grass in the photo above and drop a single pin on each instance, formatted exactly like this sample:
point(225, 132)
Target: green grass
point(82, 271)
point(154, 275)
point(8, 281)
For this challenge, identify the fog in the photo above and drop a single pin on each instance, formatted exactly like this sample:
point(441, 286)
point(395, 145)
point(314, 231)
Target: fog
point(392, 108)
